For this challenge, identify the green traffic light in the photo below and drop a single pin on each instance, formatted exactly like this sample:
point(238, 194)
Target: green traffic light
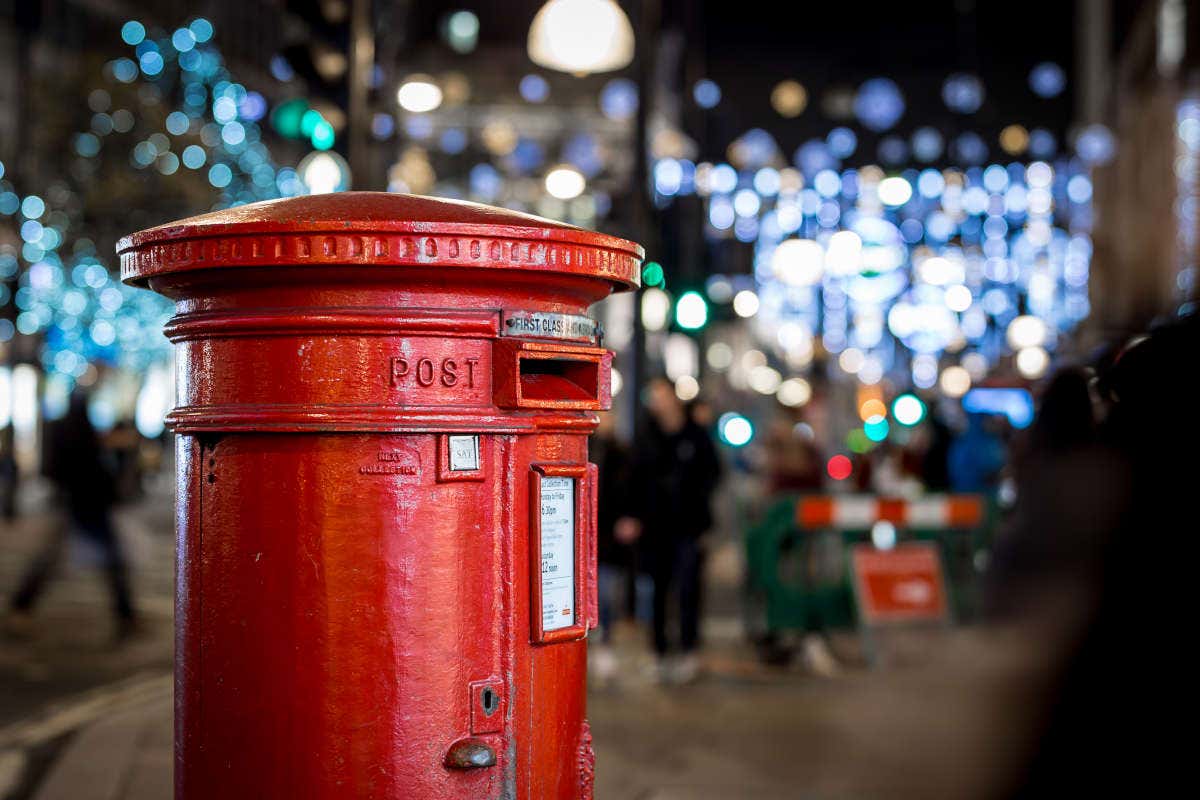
point(652, 274)
point(691, 311)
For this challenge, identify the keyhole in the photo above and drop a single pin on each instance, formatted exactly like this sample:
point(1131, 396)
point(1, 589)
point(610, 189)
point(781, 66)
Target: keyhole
point(490, 701)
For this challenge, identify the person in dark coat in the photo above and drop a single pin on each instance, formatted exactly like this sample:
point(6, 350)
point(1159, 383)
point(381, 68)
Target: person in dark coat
point(75, 463)
point(675, 474)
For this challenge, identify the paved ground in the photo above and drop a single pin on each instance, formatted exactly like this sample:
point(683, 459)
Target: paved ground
point(70, 671)
point(82, 720)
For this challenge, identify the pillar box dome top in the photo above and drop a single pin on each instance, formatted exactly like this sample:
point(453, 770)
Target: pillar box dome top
point(376, 228)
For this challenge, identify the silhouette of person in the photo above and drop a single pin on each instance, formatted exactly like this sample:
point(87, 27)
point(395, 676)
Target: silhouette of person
point(75, 463)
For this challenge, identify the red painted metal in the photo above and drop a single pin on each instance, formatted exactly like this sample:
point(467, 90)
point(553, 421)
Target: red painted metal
point(356, 608)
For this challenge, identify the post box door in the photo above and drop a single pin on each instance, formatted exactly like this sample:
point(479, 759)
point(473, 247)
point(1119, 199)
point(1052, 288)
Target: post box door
point(378, 617)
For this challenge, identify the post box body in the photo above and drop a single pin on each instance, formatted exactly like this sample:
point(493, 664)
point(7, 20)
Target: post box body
point(386, 517)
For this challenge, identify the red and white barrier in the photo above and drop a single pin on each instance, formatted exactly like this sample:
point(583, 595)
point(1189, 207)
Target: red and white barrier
point(858, 511)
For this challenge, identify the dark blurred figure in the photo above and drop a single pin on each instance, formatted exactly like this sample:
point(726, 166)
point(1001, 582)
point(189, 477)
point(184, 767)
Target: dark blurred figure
point(8, 475)
point(976, 457)
point(935, 465)
point(616, 531)
point(75, 463)
point(794, 463)
point(1097, 562)
point(675, 474)
point(125, 443)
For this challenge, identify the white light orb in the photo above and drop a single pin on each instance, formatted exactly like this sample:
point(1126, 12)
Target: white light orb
point(798, 262)
point(719, 356)
point(958, 298)
point(765, 380)
point(894, 191)
point(1032, 362)
point(735, 429)
point(844, 253)
point(617, 382)
point(977, 365)
point(656, 309)
point(1026, 331)
point(955, 381)
point(883, 535)
point(581, 36)
point(851, 360)
point(745, 303)
point(565, 183)
point(794, 392)
point(323, 172)
point(419, 94)
point(691, 312)
point(940, 271)
point(908, 409)
point(687, 388)
point(752, 359)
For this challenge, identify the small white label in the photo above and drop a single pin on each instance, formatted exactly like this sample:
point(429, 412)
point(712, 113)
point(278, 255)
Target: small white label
point(550, 325)
point(558, 553)
point(464, 453)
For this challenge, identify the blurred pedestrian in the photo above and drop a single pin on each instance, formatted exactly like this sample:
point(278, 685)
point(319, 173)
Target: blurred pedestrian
point(75, 463)
point(977, 457)
point(616, 531)
point(794, 464)
point(675, 474)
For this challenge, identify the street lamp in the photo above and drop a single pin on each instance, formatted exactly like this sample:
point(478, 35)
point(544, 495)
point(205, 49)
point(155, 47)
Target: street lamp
point(581, 36)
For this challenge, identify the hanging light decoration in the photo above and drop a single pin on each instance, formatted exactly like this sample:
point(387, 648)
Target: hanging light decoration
point(581, 36)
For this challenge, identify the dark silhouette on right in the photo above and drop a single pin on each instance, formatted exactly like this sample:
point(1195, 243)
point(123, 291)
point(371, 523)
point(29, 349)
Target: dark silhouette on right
point(1096, 564)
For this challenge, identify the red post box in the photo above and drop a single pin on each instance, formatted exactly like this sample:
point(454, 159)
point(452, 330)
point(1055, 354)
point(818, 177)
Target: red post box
point(386, 517)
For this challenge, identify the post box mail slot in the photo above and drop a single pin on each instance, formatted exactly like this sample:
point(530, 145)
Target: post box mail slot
point(539, 375)
point(386, 559)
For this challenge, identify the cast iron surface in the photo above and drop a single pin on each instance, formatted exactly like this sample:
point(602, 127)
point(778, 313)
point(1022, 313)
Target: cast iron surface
point(344, 598)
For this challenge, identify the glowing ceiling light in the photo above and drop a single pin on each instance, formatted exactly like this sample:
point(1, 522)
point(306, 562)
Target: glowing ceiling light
point(419, 94)
point(581, 36)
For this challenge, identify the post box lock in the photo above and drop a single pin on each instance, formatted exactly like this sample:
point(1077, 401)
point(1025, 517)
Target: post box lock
point(487, 706)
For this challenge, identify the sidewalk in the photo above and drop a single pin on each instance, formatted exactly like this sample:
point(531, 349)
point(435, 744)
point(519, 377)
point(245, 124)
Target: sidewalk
point(69, 671)
point(743, 732)
point(938, 721)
